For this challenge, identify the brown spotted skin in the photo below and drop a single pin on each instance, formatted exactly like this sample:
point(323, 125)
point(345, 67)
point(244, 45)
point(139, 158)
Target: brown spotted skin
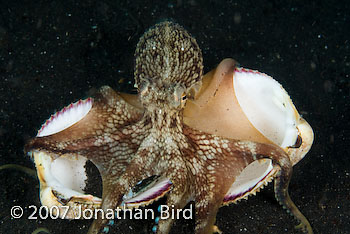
point(103, 135)
point(129, 144)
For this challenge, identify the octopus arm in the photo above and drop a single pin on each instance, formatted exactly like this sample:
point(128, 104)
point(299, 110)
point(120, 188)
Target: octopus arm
point(281, 193)
point(116, 190)
point(173, 181)
point(98, 127)
point(280, 170)
point(225, 162)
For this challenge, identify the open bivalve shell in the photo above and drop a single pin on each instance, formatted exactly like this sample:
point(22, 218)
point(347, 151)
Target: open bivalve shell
point(233, 102)
point(244, 104)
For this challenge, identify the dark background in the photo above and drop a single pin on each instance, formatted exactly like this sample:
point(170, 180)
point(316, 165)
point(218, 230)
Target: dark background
point(53, 53)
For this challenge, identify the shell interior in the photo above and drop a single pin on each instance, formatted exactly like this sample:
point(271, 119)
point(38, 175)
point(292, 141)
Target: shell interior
point(70, 172)
point(66, 117)
point(148, 194)
point(267, 106)
point(252, 178)
point(62, 182)
point(66, 175)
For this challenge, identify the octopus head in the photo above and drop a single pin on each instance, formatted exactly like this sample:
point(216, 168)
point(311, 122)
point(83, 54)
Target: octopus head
point(168, 66)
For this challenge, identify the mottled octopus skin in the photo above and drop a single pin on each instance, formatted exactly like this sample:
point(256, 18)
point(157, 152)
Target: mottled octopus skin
point(128, 144)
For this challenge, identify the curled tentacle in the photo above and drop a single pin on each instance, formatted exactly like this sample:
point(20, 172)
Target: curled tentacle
point(282, 196)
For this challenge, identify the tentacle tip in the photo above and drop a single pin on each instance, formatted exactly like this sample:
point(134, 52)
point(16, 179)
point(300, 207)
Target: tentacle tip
point(156, 220)
point(154, 229)
point(105, 230)
point(305, 227)
point(111, 222)
point(216, 229)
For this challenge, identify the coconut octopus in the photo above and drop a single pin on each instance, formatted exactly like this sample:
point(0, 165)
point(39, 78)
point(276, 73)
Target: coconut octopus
point(211, 139)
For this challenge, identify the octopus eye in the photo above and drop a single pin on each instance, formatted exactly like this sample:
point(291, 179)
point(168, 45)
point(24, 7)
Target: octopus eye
point(297, 143)
point(179, 96)
point(183, 100)
point(143, 89)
